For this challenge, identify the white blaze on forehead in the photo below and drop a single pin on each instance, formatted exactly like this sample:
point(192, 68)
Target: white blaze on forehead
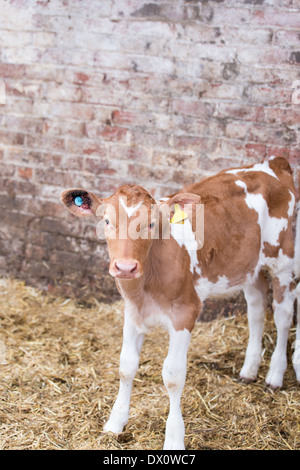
point(264, 167)
point(270, 226)
point(132, 209)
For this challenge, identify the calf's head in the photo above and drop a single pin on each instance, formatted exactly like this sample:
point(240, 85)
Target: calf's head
point(130, 220)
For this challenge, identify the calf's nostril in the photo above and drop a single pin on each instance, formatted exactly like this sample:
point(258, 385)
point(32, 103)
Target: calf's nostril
point(134, 268)
point(126, 268)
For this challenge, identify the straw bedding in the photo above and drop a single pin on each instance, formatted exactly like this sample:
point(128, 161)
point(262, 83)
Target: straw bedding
point(59, 377)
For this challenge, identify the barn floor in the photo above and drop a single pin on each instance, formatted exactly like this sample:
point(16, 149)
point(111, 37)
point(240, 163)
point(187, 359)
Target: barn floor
point(59, 376)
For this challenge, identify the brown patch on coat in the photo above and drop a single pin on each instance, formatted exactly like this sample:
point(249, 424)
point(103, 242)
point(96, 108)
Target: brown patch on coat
point(225, 237)
point(278, 290)
point(270, 251)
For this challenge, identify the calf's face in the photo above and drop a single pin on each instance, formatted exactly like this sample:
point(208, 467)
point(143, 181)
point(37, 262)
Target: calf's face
point(129, 222)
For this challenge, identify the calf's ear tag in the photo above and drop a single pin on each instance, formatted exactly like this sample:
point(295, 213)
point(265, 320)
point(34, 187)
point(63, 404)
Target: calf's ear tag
point(179, 215)
point(78, 201)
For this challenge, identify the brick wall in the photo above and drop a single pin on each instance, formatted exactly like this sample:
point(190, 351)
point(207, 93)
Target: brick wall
point(103, 92)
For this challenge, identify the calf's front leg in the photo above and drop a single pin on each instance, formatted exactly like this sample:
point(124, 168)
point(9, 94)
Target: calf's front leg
point(174, 374)
point(129, 362)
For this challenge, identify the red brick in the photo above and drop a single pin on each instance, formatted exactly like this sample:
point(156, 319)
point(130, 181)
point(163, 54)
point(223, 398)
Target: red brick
point(112, 134)
point(81, 78)
point(11, 71)
point(124, 117)
point(25, 173)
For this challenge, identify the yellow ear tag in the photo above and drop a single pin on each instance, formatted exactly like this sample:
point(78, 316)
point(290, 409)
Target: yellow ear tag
point(179, 215)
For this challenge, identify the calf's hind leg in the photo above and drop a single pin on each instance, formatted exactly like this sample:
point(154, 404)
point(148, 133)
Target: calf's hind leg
point(296, 355)
point(283, 305)
point(256, 298)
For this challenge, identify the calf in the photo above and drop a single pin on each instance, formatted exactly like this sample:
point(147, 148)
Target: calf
point(166, 264)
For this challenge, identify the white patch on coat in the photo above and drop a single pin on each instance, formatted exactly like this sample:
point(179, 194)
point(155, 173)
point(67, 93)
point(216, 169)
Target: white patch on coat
point(271, 227)
point(291, 204)
point(206, 288)
point(184, 236)
point(264, 167)
point(132, 209)
point(149, 316)
point(281, 267)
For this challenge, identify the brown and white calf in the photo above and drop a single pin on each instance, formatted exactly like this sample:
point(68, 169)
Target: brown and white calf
point(164, 277)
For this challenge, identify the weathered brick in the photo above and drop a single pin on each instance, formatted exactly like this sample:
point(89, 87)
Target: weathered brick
point(63, 93)
point(193, 108)
point(12, 138)
point(255, 151)
point(147, 173)
point(38, 141)
point(175, 160)
point(286, 39)
point(43, 39)
point(86, 147)
point(11, 71)
point(124, 117)
point(278, 18)
point(53, 176)
point(100, 166)
point(129, 153)
point(236, 130)
point(106, 132)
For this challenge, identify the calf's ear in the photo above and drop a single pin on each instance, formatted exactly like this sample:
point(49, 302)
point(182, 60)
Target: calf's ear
point(180, 206)
point(80, 202)
point(183, 199)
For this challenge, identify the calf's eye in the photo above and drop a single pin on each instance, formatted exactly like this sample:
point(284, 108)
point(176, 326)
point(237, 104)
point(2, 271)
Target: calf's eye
point(106, 221)
point(78, 201)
